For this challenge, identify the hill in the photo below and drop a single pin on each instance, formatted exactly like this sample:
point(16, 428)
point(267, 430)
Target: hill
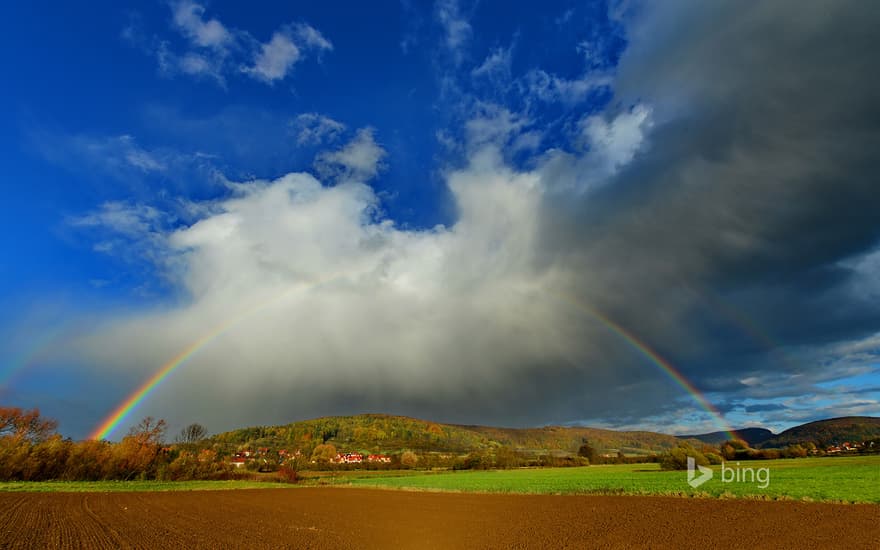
point(832, 431)
point(381, 433)
point(387, 434)
point(570, 438)
point(365, 432)
point(753, 436)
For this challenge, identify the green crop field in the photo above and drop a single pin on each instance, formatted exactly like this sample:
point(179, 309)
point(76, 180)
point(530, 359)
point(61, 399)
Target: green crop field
point(846, 479)
point(839, 479)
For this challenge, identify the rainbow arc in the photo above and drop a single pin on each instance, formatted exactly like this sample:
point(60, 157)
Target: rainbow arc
point(124, 409)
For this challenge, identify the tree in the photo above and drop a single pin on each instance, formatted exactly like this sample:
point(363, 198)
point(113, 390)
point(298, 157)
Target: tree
point(137, 455)
point(192, 434)
point(794, 451)
point(588, 452)
point(25, 425)
point(676, 459)
point(714, 458)
point(505, 457)
point(728, 451)
point(409, 459)
point(324, 453)
point(149, 431)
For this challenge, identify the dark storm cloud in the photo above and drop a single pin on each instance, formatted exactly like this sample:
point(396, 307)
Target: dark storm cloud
point(757, 181)
point(714, 210)
point(764, 407)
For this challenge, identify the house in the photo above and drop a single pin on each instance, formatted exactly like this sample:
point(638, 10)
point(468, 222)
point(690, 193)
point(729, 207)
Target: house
point(379, 458)
point(238, 461)
point(348, 458)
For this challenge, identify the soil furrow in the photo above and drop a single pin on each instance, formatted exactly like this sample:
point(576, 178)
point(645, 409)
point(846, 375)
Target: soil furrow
point(363, 518)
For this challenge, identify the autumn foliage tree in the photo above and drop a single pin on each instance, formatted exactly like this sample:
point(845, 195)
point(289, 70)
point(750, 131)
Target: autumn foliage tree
point(676, 459)
point(409, 459)
point(31, 450)
point(23, 450)
point(25, 425)
point(324, 453)
point(135, 456)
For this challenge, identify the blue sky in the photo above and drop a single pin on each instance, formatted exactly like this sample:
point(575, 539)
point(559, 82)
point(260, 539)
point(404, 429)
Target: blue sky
point(401, 204)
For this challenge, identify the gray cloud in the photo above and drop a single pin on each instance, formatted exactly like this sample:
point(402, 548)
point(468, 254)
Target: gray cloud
point(735, 161)
point(755, 182)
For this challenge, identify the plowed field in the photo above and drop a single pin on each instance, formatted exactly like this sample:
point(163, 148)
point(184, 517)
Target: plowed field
point(365, 518)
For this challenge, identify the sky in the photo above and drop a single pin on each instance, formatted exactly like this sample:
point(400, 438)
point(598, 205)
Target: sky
point(620, 214)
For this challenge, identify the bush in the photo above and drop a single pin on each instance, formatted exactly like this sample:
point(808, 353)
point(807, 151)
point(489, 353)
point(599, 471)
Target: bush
point(409, 459)
point(287, 474)
point(676, 459)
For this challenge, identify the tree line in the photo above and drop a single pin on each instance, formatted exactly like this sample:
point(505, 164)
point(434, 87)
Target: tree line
point(32, 450)
point(739, 450)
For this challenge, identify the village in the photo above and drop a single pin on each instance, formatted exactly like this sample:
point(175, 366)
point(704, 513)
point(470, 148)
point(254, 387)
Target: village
point(263, 454)
point(847, 447)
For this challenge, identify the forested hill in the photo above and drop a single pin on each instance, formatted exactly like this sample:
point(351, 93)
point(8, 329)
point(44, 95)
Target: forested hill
point(570, 438)
point(389, 434)
point(385, 433)
point(832, 431)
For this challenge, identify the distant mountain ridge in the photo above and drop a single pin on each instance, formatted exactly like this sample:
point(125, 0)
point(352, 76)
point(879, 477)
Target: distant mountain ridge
point(388, 433)
point(752, 436)
point(832, 431)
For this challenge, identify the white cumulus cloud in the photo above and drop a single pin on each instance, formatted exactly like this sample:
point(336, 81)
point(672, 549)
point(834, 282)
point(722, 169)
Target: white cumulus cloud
point(359, 160)
point(314, 128)
point(216, 51)
point(189, 18)
point(275, 58)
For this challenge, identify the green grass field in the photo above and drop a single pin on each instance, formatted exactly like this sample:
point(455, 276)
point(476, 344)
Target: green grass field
point(839, 479)
point(846, 479)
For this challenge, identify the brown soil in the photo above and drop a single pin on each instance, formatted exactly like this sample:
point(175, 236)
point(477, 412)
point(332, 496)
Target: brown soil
point(364, 518)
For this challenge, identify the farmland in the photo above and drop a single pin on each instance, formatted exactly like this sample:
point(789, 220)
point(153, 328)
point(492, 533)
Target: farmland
point(845, 479)
point(132, 486)
point(327, 517)
point(594, 506)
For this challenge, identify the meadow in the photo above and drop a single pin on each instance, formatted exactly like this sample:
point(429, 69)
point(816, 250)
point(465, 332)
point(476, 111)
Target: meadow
point(839, 479)
point(843, 479)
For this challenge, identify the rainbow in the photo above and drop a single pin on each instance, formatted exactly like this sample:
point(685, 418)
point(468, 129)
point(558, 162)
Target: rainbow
point(656, 359)
point(31, 355)
point(745, 324)
point(124, 409)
